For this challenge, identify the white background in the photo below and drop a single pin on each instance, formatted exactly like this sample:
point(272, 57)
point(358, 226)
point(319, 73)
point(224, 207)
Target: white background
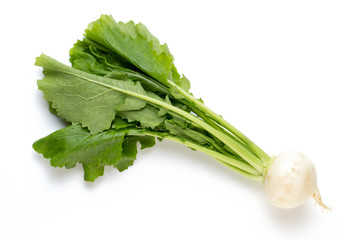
point(286, 73)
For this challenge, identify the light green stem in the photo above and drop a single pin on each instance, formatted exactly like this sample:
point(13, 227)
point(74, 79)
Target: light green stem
point(258, 151)
point(245, 174)
point(240, 166)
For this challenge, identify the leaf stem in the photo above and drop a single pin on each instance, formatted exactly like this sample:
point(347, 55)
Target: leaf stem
point(241, 166)
point(257, 150)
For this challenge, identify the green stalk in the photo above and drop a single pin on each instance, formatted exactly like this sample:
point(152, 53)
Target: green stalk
point(257, 150)
point(193, 102)
point(245, 174)
point(240, 166)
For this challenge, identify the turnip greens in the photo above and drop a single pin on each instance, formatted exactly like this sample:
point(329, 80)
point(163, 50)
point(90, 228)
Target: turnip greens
point(123, 88)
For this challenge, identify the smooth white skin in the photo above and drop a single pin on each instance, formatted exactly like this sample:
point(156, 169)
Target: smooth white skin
point(291, 180)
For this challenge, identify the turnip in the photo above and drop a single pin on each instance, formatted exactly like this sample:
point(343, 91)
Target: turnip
point(123, 89)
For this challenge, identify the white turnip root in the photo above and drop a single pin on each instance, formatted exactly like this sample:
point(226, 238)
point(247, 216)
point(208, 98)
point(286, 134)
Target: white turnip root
point(291, 180)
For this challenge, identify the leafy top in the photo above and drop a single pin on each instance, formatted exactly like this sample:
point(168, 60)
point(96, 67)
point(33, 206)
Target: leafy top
point(135, 43)
point(122, 89)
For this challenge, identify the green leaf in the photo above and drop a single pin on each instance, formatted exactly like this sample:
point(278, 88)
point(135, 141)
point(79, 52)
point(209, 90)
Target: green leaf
point(133, 42)
point(74, 144)
point(91, 57)
point(81, 58)
point(120, 123)
point(92, 172)
point(130, 150)
point(147, 116)
point(182, 82)
point(80, 97)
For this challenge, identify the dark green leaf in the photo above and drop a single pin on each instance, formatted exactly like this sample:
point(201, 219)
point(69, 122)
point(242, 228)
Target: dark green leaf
point(133, 42)
point(92, 172)
point(80, 97)
point(120, 123)
point(74, 144)
point(147, 116)
point(130, 150)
